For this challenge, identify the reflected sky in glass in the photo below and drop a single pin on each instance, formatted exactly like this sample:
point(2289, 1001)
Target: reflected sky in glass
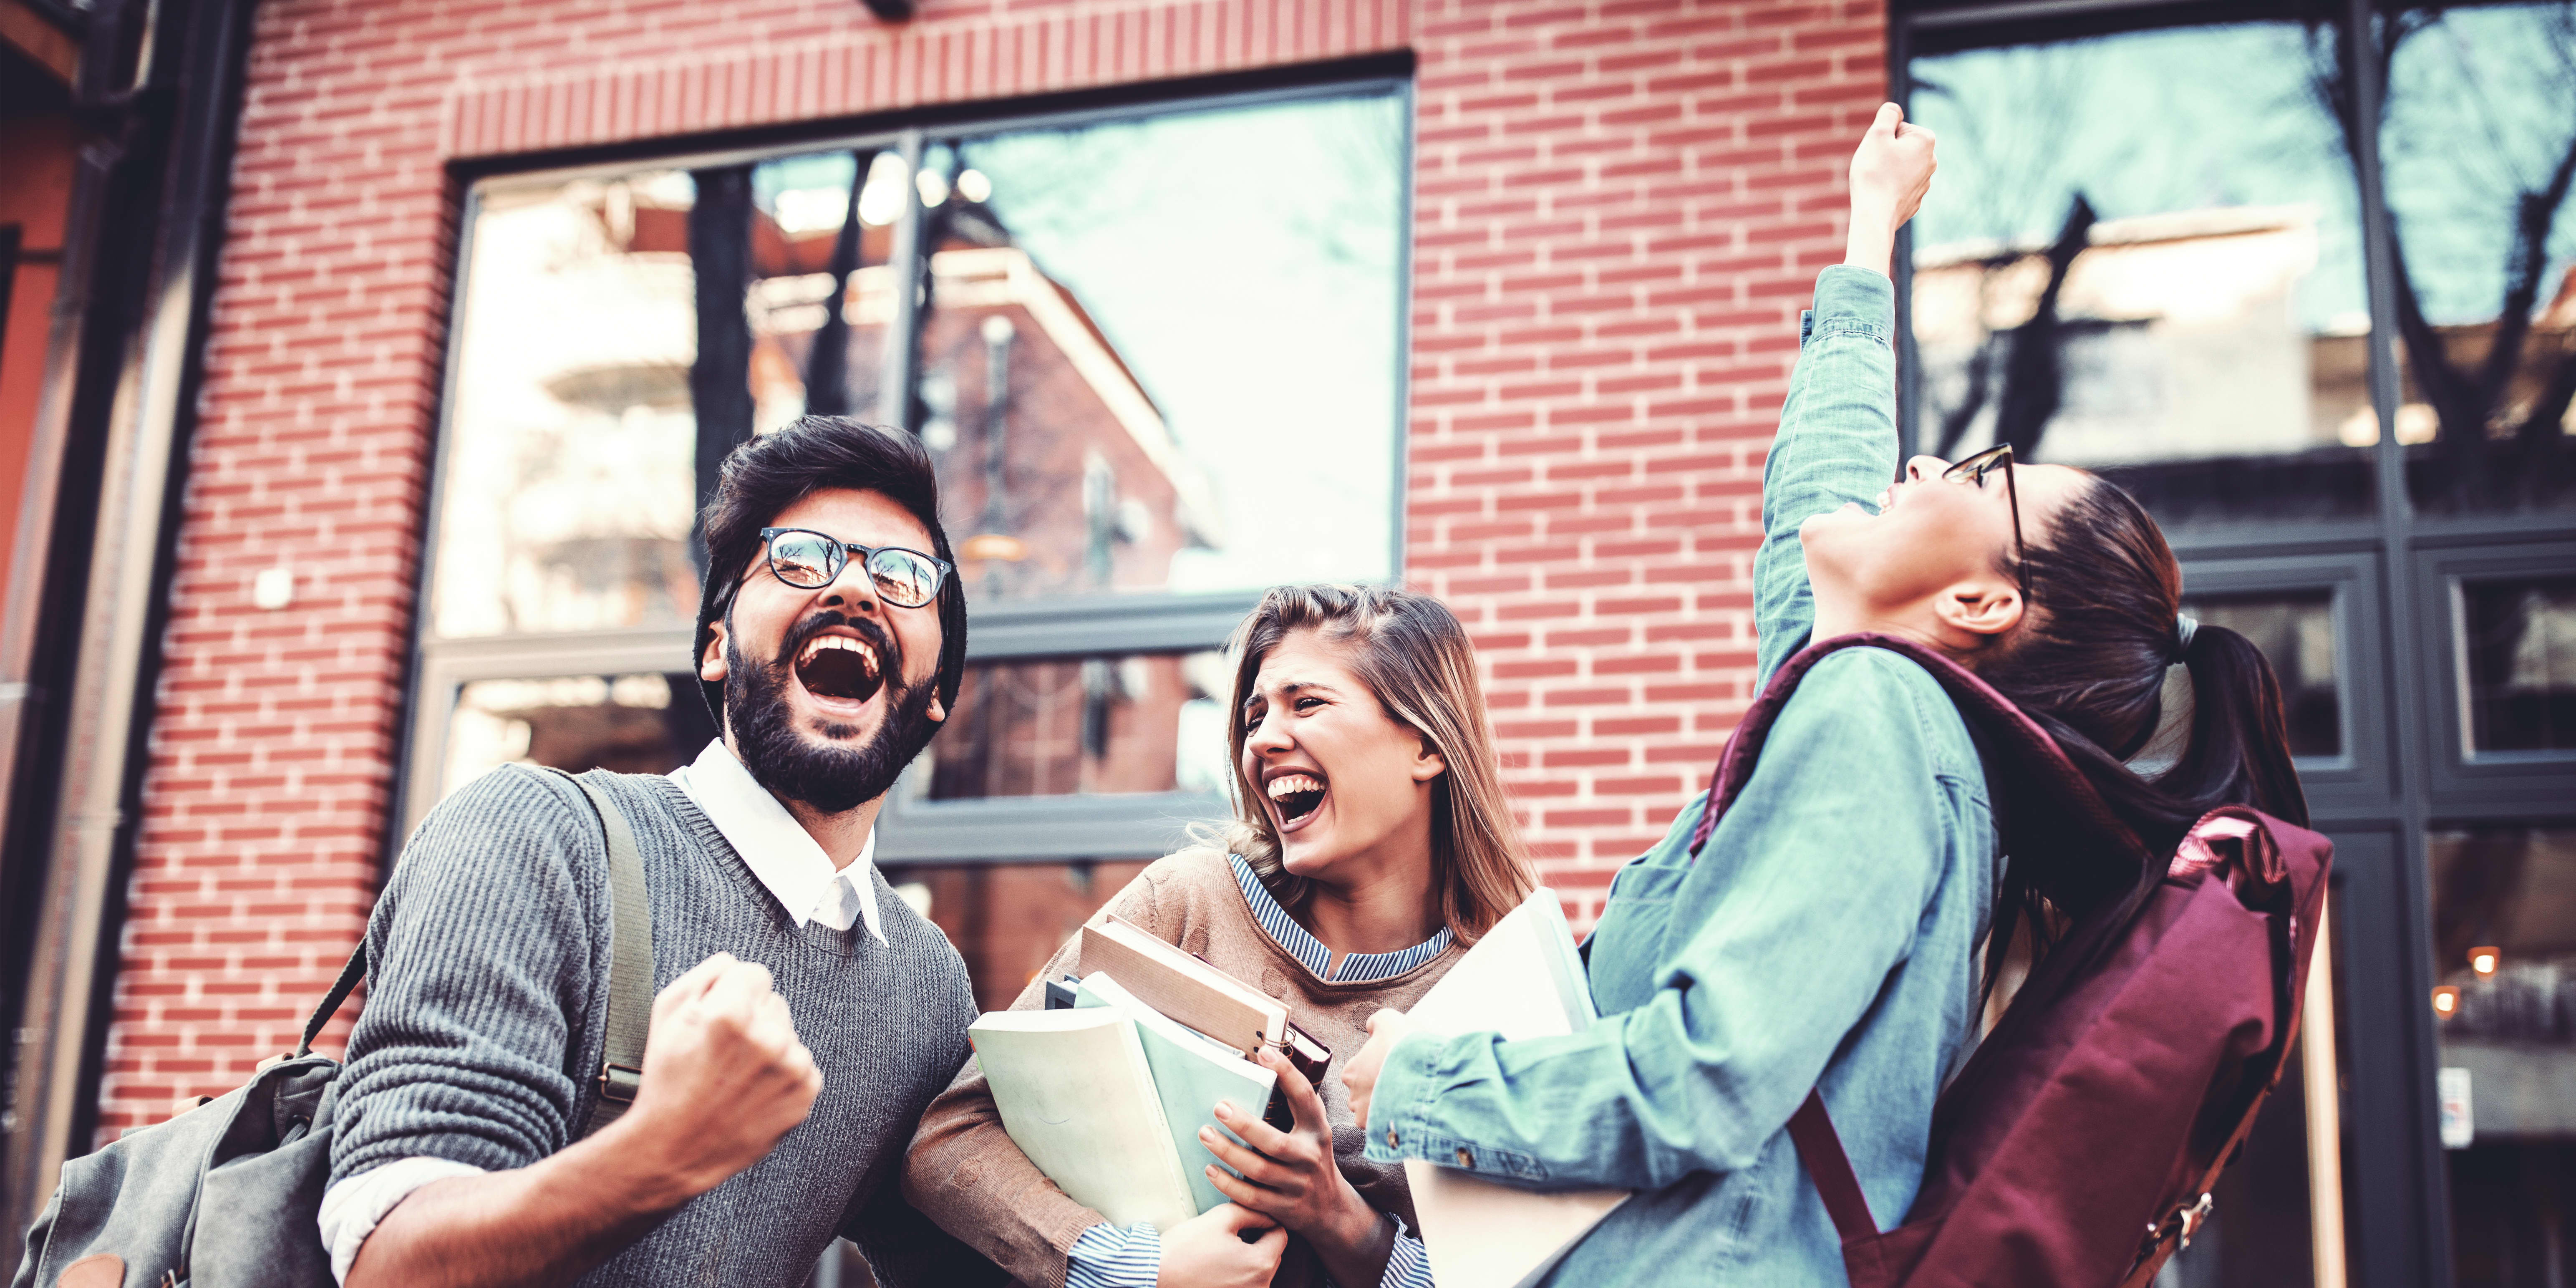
point(2147, 123)
point(2481, 109)
point(1245, 264)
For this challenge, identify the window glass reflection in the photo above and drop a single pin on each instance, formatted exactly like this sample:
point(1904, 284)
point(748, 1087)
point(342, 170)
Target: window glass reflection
point(2479, 150)
point(1150, 722)
point(1007, 919)
point(2504, 952)
point(2143, 257)
point(815, 242)
point(571, 446)
point(634, 724)
point(2297, 635)
point(1160, 354)
point(2519, 642)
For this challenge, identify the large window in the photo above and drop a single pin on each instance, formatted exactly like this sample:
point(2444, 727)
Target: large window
point(2302, 276)
point(1154, 356)
point(2479, 143)
point(2143, 256)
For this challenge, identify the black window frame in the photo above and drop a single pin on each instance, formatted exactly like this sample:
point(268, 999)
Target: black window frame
point(2468, 787)
point(2397, 622)
point(913, 830)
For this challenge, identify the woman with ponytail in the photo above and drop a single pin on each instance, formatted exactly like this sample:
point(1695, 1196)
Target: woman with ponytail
point(1827, 935)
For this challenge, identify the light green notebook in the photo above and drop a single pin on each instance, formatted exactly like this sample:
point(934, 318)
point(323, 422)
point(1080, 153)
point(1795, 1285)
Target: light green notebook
point(1191, 1074)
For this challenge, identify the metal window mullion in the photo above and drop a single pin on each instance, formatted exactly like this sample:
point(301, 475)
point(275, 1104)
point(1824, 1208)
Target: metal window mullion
point(2404, 1224)
point(909, 261)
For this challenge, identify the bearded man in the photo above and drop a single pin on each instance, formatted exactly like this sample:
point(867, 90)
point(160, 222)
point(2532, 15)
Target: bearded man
point(805, 1014)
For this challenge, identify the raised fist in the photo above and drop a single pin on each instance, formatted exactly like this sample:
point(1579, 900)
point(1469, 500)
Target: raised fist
point(724, 1076)
point(1891, 170)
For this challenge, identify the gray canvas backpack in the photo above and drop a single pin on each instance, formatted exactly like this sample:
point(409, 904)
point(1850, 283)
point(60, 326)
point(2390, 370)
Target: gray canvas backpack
point(228, 1195)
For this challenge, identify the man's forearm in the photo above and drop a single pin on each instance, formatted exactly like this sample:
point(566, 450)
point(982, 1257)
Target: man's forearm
point(545, 1224)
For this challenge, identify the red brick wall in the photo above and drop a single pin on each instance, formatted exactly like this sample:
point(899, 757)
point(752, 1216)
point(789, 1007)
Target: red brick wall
point(1620, 209)
point(1619, 206)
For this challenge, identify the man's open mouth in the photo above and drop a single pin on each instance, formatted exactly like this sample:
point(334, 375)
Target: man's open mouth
point(839, 666)
point(1296, 797)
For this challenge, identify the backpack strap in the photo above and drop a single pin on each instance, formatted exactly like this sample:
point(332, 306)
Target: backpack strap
point(1820, 1148)
point(340, 989)
point(630, 966)
point(630, 962)
point(2041, 801)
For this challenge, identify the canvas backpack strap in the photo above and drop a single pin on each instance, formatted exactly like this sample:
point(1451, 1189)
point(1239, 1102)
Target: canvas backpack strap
point(2041, 801)
point(630, 963)
point(350, 974)
point(1820, 1147)
point(2174, 1232)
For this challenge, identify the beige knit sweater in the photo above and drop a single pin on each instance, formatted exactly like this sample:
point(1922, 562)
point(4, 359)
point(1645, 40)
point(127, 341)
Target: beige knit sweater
point(965, 1173)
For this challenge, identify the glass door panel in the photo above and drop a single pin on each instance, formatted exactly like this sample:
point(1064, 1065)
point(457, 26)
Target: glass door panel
point(2504, 956)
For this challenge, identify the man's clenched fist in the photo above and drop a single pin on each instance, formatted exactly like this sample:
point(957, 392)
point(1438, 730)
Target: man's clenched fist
point(724, 1076)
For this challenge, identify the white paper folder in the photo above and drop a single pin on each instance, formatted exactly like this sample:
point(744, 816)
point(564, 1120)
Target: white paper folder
point(1522, 980)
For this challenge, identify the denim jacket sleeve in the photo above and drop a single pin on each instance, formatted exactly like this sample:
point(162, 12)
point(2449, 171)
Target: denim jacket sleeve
point(1816, 877)
point(1836, 443)
point(1808, 895)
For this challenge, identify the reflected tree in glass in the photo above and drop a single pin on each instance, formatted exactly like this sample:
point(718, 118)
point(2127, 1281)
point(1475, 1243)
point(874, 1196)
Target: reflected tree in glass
point(2142, 257)
point(2478, 137)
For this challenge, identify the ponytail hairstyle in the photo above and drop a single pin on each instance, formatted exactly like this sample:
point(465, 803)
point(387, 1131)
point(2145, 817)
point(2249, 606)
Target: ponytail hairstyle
point(2088, 665)
point(1414, 657)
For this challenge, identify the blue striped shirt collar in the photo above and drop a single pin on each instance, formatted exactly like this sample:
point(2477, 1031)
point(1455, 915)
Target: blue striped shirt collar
point(1355, 968)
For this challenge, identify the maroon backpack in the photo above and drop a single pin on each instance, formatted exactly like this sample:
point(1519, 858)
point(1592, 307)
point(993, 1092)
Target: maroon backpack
point(2078, 1146)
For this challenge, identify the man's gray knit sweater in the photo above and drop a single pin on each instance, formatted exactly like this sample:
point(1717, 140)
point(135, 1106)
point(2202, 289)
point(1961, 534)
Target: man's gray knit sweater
point(486, 1017)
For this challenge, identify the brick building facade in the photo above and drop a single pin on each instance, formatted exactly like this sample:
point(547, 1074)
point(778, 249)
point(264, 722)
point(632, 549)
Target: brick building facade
point(229, 683)
point(1618, 209)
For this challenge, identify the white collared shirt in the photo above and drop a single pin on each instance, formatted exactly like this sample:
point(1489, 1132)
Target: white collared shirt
point(777, 848)
point(789, 863)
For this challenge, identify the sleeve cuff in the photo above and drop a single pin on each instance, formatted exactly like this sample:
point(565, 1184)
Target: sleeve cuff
point(1404, 1084)
point(351, 1209)
point(1851, 301)
point(1409, 1265)
point(1108, 1257)
point(1406, 1121)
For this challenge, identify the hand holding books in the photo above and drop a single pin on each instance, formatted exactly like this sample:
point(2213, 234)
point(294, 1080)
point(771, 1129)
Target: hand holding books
point(1223, 1247)
point(1114, 1097)
point(1291, 1177)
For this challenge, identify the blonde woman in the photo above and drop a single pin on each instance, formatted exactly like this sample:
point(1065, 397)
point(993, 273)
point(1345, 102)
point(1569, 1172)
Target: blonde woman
point(1371, 844)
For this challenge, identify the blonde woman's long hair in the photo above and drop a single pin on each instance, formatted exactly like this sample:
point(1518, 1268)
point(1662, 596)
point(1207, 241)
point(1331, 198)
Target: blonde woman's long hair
point(1412, 653)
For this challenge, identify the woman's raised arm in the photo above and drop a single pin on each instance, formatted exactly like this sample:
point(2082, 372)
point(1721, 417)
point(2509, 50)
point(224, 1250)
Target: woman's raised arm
point(1837, 438)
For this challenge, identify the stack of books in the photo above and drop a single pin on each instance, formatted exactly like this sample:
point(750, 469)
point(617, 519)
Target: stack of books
point(1106, 1090)
point(1107, 1094)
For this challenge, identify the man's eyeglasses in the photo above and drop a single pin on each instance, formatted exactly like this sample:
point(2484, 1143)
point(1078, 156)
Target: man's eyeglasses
point(1974, 471)
point(810, 560)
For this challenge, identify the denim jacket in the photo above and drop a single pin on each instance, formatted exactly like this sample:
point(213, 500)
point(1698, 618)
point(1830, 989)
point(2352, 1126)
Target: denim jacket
point(1826, 935)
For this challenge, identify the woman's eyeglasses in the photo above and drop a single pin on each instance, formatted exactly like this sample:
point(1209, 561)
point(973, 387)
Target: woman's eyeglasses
point(810, 560)
point(1974, 471)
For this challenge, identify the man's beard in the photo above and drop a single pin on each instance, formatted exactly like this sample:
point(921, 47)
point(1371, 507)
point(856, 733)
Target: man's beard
point(829, 777)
